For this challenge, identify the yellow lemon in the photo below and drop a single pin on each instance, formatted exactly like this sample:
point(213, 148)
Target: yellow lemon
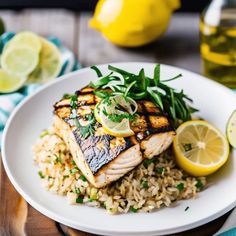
point(200, 148)
point(132, 23)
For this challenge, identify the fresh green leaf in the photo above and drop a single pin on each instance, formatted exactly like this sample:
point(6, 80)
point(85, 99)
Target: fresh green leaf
point(144, 184)
point(44, 133)
point(134, 210)
point(73, 162)
point(143, 81)
point(187, 147)
point(174, 78)
point(79, 200)
point(199, 184)
point(98, 72)
point(66, 96)
point(77, 191)
point(102, 94)
point(156, 77)
point(147, 162)
point(156, 97)
point(83, 178)
point(74, 170)
point(180, 187)
point(58, 159)
point(40, 173)
point(129, 87)
point(160, 170)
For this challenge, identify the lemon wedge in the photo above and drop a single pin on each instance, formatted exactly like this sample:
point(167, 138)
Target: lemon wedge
point(19, 60)
point(10, 83)
point(231, 129)
point(49, 65)
point(200, 148)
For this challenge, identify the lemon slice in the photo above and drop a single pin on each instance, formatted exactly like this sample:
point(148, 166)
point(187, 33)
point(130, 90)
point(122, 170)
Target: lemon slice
point(10, 83)
point(200, 148)
point(97, 112)
point(49, 65)
point(231, 129)
point(19, 60)
point(26, 38)
point(121, 129)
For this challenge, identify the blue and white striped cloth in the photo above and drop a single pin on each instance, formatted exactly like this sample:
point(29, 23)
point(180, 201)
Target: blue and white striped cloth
point(9, 101)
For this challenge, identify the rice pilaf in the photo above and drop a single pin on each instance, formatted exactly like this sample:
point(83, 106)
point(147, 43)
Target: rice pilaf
point(155, 183)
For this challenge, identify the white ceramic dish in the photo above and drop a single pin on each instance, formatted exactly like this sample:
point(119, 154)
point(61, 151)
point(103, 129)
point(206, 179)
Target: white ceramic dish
point(35, 114)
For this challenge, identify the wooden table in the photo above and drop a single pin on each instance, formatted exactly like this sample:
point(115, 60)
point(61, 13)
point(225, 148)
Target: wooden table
point(180, 47)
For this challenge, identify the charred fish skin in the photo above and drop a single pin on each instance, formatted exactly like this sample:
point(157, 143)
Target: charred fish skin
point(104, 153)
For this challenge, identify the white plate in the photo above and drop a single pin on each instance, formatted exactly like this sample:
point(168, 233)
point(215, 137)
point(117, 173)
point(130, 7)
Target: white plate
point(35, 114)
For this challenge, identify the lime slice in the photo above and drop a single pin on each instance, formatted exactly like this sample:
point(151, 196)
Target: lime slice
point(19, 60)
point(231, 129)
point(10, 83)
point(25, 38)
point(49, 63)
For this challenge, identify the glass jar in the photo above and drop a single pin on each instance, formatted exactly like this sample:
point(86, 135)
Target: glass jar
point(218, 41)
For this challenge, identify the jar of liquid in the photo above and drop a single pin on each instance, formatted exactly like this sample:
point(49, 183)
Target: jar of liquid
point(218, 41)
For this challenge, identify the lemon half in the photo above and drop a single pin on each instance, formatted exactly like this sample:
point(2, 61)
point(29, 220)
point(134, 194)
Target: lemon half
point(200, 148)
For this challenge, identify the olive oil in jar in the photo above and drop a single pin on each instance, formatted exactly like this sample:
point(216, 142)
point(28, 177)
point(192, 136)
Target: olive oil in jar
point(218, 42)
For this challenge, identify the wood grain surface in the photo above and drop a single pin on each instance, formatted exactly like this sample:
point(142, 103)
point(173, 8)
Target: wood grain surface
point(178, 47)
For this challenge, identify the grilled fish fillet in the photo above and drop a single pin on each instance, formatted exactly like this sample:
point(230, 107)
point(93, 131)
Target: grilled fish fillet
point(103, 158)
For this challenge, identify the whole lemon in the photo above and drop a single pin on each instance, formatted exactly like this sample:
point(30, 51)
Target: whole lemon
point(133, 23)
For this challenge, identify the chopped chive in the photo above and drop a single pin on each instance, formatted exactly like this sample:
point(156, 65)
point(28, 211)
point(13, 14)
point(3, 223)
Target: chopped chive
point(77, 190)
point(44, 133)
point(187, 147)
point(82, 177)
point(144, 184)
point(74, 170)
point(199, 184)
point(180, 186)
point(91, 200)
point(79, 200)
point(160, 170)
point(186, 208)
point(147, 162)
point(73, 163)
point(40, 173)
point(134, 210)
point(58, 159)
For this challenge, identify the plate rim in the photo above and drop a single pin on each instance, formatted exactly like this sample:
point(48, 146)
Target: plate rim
point(76, 225)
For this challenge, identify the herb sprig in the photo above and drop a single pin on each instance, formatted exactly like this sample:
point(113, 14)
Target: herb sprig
point(139, 86)
point(85, 131)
